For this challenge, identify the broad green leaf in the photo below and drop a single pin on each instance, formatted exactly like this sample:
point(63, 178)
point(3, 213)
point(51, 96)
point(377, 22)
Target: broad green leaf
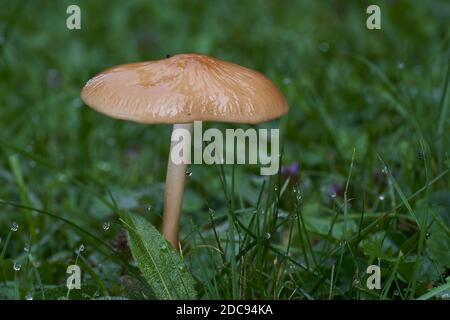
point(161, 265)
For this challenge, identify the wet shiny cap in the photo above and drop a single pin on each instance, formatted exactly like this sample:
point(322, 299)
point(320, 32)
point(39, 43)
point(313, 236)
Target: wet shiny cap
point(184, 88)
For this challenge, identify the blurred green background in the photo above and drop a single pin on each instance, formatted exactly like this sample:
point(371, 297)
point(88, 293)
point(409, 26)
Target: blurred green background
point(367, 132)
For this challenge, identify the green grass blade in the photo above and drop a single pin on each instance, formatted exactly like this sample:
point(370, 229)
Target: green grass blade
point(434, 292)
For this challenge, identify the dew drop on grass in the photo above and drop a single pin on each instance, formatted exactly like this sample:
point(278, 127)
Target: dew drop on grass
point(111, 142)
point(81, 248)
point(333, 195)
point(267, 236)
point(324, 46)
point(106, 226)
point(188, 173)
point(26, 247)
point(14, 227)
point(149, 208)
point(384, 170)
point(428, 235)
point(381, 197)
point(29, 297)
point(17, 266)
point(299, 196)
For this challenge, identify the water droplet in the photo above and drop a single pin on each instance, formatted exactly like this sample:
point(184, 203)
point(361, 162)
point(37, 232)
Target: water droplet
point(333, 195)
point(26, 247)
point(188, 173)
point(267, 236)
point(298, 194)
point(106, 226)
point(428, 235)
point(324, 46)
point(61, 177)
point(29, 297)
point(14, 227)
point(17, 266)
point(77, 103)
point(81, 248)
point(104, 166)
point(381, 197)
point(400, 65)
point(149, 208)
point(111, 142)
point(384, 170)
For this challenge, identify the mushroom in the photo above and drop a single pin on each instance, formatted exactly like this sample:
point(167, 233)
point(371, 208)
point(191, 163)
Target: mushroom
point(179, 90)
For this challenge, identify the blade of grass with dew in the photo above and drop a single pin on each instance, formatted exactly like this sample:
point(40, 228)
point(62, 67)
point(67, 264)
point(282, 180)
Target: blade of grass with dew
point(25, 199)
point(161, 265)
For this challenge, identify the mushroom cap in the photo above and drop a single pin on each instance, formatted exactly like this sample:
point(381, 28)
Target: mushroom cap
point(184, 88)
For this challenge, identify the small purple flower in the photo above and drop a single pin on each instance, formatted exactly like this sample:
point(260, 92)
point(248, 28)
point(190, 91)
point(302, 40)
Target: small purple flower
point(290, 170)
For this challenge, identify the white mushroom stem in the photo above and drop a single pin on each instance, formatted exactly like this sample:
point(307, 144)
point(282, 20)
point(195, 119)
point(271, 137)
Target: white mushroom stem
point(173, 194)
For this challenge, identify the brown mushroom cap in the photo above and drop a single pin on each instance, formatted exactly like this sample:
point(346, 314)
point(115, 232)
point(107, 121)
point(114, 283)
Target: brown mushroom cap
point(184, 88)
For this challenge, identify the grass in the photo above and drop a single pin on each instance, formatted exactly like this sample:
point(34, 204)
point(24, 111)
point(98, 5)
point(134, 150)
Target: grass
point(368, 127)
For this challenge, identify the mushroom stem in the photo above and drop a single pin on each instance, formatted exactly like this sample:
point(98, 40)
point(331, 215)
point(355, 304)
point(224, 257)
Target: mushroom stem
point(173, 194)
